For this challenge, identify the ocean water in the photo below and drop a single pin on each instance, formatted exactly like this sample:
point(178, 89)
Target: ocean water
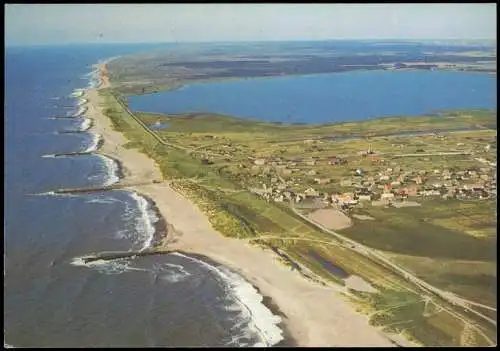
point(53, 299)
point(328, 98)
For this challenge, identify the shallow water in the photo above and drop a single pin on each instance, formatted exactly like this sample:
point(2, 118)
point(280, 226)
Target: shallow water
point(52, 299)
point(330, 266)
point(162, 125)
point(328, 98)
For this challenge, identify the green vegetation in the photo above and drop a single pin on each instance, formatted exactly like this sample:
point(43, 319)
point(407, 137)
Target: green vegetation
point(447, 257)
point(417, 318)
point(268, 132)
point(409, 231)
point(165, 69)
point(212, 164)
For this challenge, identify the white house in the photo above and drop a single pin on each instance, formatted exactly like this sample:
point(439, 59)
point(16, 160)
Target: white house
point(387, 196)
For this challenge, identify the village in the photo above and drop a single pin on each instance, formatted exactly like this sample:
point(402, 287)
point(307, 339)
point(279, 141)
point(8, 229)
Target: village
point(383, 186)
point(297, 189)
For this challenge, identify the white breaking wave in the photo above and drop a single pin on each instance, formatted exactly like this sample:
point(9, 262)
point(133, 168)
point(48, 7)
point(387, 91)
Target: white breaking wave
point(170, 272)
point(77, 93)
point(88, 74)
point(117, 266)
point(145, 224)
point(112, 167)
point(130, 215)
point(259, 318)
point(87, 123)
point(82, 102)
point(96, 138)
point(102, 200)
point(94, 83)
point(80, 111)
point(52, 193)
point(93, 78)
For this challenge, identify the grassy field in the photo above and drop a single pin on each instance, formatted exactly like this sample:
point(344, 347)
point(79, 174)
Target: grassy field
point(218, 188)
point(228, 142)
point(272, 132)
point(161, 68)
point(439, 243)
point(474, 280)
point(411, 230)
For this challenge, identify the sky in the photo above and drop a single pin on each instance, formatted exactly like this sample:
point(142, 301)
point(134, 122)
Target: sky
point(35, 24)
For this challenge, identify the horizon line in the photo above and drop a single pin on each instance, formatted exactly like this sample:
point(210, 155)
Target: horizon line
point(255, 41)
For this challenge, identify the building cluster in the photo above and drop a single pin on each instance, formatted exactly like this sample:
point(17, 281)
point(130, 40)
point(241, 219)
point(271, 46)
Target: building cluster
point(389, 185)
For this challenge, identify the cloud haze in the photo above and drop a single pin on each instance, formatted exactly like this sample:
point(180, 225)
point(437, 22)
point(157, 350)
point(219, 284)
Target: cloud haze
point(27, 24)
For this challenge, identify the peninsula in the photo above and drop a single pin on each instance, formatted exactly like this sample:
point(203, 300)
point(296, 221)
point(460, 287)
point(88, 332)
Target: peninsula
point(340, 225)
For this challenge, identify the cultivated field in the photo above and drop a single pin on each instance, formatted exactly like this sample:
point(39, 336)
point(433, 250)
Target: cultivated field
point(212, 160)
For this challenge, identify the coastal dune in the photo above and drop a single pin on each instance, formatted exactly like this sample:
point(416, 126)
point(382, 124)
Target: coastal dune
point(314, 314)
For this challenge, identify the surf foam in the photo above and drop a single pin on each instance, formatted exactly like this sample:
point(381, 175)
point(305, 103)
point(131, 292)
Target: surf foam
point(82, 101)
point(52, 193)
point(244, 296)
point(96, 139)
point(170, 272)
point(130, 216)
point(102, 200)
point(80, 111)
point(145, 224)
point(113, 169)
point(77, 93)
point(117, 266)
point(86, 124)
point(93, 78)
point(93, 83)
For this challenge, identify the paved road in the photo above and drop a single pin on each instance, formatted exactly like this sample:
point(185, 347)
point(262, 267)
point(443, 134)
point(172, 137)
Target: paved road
point(450, 297)
point(482, 160)
point(431, 154)
point(426, 298)
point(146, 128)
point(367, 251)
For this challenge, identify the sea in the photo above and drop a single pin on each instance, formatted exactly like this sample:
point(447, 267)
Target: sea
point(51, 297)
point(330, 98)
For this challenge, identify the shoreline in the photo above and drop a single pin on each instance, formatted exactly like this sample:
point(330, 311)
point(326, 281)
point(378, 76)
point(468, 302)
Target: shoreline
point(165, 232)
point(183, 84)
point(307, 322)
point(288, 339)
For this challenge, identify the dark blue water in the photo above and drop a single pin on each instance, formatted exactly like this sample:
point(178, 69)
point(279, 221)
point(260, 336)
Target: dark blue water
point(327, 98)
point(51, 299)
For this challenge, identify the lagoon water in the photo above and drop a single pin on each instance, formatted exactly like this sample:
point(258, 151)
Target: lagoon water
point(51, 299)
point(327, 98)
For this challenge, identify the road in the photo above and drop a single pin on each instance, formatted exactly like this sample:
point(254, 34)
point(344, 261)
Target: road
point(146, 128)
point(355, 246)
point(156, 136)
point(367, 251)
point(456, 153)
point(482, 160)
point(426, 298)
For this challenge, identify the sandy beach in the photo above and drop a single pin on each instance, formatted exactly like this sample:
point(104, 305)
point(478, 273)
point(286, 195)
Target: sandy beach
point(316, 315)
